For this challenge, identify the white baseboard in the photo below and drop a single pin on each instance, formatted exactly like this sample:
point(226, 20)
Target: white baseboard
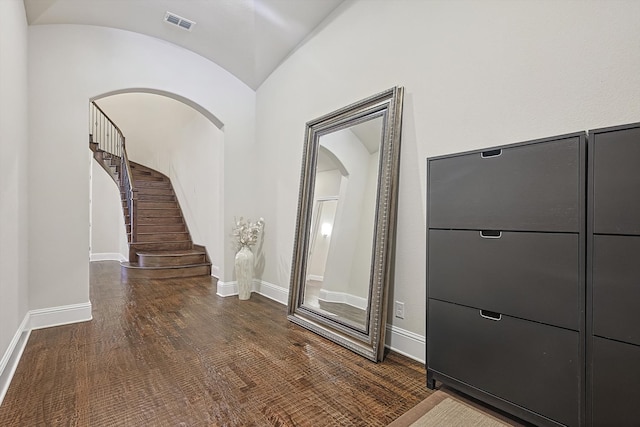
point(271, 291)
point(107, 256)
point(266, 289)
point(343, 298)
point(227, 289)
point(37, 319)
point(215, 270)
point(63, 315)
point(397, 339)
point(11, 357)
point(406, 342)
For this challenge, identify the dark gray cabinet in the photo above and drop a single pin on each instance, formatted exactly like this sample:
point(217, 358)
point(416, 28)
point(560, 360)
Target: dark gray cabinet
point(616, 288)
point(613, 277)
point(615, 375)
point(506, 274)
point(615, 180)
point(513, 273)
point(509, 357)
point(525, 187)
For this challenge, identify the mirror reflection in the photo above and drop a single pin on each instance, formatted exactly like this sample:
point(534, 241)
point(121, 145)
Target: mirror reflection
point(345, 230)
point(342, 223)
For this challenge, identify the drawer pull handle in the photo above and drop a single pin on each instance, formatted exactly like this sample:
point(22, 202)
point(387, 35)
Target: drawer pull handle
point(491, 315)
point(490, 234)
point(491, 153)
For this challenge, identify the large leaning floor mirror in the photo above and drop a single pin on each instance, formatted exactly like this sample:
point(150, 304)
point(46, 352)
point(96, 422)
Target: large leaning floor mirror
point(343, 252)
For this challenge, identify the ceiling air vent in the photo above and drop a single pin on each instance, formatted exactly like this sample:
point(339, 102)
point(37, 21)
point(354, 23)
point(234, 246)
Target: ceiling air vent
point(181, 22)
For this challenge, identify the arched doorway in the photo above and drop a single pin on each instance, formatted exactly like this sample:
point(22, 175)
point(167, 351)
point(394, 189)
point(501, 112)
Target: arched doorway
point(179, 138)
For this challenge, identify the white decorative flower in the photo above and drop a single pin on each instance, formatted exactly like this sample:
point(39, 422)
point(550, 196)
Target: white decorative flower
point(246, 232)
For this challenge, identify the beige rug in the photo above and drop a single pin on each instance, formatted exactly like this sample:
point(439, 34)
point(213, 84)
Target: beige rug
point(455, 414)
point(445, 408)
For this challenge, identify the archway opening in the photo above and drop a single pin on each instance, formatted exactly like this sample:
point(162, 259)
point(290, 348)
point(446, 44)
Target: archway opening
point(178, 138)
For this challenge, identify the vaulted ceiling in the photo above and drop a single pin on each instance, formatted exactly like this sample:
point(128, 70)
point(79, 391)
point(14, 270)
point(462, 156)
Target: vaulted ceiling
point(248, 38)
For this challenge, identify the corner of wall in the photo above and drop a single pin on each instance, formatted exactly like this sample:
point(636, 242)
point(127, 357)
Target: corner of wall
point(11, 357)
point(37, 319)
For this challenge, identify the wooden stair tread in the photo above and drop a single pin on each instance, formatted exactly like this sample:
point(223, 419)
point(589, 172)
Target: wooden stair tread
point(158, 220)
point(160, 246)
point(164, 232)
point(153, 213)
point(163, 228)
point(133, 271)
point(164, 237)
point(172, 253)
point(161, 242)
point(140, 184)
point(135, 265)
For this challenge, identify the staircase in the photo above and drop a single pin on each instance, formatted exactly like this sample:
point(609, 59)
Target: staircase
point(160, 245)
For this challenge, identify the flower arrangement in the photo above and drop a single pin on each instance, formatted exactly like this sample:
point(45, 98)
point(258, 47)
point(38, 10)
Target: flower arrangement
point(246, 232)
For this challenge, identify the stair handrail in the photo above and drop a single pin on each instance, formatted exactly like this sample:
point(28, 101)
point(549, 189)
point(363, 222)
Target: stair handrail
point(110, 139)
point(102, 128)
point(130, 192)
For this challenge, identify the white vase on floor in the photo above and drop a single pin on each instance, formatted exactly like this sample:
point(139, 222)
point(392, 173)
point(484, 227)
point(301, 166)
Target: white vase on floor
point(244, 272)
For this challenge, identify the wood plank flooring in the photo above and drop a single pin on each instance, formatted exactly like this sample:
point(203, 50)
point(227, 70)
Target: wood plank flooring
point(172, 353)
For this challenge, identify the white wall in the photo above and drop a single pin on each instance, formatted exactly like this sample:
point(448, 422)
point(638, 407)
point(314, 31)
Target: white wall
point(13, 175)
point(346, 146)
point(150, 123)
point(69, 65)
point(107, 231)
point(319, 244)
point(196, 171)
point(476, 74)
point(173, 138)
point(360, 276)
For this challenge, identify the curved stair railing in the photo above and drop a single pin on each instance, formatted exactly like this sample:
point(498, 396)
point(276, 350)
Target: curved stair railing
point(108, 143)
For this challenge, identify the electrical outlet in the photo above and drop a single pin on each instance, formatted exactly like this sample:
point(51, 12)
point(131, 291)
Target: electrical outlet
point(399, 310)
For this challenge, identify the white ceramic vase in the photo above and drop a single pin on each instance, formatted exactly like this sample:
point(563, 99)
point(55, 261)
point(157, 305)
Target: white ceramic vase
point(244, 272)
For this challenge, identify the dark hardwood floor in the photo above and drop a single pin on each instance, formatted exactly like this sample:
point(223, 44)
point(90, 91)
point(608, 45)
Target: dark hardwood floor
point(172, 353)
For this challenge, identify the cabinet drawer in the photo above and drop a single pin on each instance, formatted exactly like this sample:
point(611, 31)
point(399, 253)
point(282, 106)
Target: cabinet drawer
point(616, 376)
point(616, 181)
point(530, 364)
point(616, 287)
point(530, 275)
point(528, 187)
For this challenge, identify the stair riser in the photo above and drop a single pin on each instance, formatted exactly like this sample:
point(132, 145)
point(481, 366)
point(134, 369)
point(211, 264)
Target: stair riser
point(152, 184)
point(157, 197)
point(155, 216)
point(144, 178)
point(157, 212)
point(166, 261)
point(144, 171)
point(141, 273)
point(164, 237)
point(176, 228)
point(155, 190)
point(143, 175)
point(162, 246)
point(145, 204)
point(160, 220)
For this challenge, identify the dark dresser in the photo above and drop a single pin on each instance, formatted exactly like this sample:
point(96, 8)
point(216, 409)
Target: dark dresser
point(506, 244)
point(613, 277)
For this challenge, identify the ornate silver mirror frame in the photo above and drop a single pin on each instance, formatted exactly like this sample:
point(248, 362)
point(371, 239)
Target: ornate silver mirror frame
point(350, 230)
